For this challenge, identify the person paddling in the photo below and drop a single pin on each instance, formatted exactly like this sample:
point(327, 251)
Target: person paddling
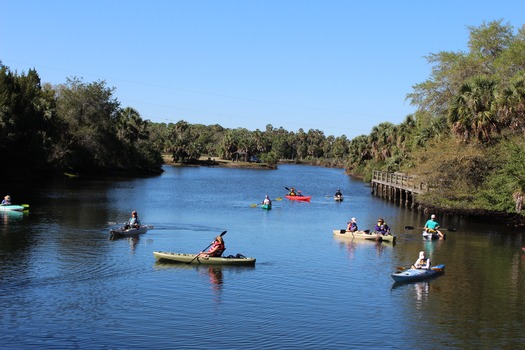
point(217, 248)
point(352, 225)
point(267, 200)
point(422, 262)
point(6, 200)
point(133, 221)
point(432, 226)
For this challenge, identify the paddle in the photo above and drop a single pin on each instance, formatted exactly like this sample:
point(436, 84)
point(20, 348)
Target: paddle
point(254, 205)
point(451, 229)
point(196, 256)
point(25, 205)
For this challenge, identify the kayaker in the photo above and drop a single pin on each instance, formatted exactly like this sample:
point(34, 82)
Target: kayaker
point(267, 200)
point(422, 262)
point(216, 249)
point(432, 226)
point(133, 221)
point(292, 192)
point(352, 225)
point(6, 200)
point(382, 228)
point(338, 193)
point(299, 194)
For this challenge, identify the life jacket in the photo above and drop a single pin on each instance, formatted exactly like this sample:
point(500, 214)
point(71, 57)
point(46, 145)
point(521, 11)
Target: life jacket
point(220, 250)
point(422, 262)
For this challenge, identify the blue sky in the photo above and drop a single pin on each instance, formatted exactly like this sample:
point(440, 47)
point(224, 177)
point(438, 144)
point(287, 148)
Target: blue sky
point(338, 66)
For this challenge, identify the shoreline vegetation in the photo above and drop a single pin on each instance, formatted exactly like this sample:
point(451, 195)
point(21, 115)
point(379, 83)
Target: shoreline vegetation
point(465, 140)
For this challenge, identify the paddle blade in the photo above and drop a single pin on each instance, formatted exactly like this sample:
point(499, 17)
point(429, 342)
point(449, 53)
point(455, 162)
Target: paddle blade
point(253, 205)
point(278, 199)
point(409, 227)
point(25, 205)
point(223, 233)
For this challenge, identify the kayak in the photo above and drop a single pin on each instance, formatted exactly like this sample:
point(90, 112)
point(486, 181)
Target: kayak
point(338, 198)
point(121, 232)
point(365, 235)
point(266, 206)
point(11, 207)
point(193, 259)
point(431, 236)
point(411, 275)
point(299, 198)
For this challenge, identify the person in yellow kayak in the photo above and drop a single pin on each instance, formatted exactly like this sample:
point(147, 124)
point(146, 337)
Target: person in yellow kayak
point(382, 228)
point(217, 248)
point(352, 225)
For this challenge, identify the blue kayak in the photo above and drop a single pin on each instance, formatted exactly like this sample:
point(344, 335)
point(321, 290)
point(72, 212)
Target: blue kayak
point(411, 275)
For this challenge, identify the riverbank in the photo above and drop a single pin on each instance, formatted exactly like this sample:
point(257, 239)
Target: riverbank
point(219, 162)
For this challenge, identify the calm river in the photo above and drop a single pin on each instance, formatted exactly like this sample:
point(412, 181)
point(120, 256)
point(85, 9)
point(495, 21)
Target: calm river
point(65, 285)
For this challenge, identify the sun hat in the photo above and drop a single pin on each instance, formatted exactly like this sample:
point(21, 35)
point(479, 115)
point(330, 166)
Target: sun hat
point(354, 220)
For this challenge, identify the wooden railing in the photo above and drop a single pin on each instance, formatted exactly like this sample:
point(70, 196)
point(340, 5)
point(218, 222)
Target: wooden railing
point(399, 180)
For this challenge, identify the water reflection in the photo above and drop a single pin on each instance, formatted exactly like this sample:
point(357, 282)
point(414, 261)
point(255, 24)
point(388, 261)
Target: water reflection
point(12, 216)
point(351, 244)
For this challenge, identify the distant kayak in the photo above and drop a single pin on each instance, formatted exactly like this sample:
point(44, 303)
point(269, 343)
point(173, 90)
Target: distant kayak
point(299, 198)
point(121, 232)
point(266, 206)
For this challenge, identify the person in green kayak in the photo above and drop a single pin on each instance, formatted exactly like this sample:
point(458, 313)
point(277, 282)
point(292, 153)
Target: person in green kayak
point(267, 200)
point(133, 221)
point(6, 200)
point(432, 226)
point(422, 262)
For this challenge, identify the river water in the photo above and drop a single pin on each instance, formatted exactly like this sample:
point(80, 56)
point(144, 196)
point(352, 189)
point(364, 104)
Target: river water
point(65, 285)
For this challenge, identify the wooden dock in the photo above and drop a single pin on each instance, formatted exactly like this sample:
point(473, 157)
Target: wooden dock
point(397, 187)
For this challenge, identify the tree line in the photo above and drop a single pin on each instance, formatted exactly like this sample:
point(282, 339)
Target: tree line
point(465, 138)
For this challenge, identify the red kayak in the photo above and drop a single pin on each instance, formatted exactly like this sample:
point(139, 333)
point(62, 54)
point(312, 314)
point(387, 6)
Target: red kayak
point(299, 198)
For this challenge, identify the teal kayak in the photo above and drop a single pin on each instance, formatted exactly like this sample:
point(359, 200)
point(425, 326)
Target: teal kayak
point(266, 206)
point(11, 207)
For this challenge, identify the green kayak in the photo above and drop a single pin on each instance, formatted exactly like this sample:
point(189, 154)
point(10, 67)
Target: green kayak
point(166, 257)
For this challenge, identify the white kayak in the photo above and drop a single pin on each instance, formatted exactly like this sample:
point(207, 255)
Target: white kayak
point(367, 235)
